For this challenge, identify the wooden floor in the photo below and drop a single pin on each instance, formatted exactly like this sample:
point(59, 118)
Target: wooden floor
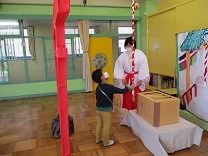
point(25, 130)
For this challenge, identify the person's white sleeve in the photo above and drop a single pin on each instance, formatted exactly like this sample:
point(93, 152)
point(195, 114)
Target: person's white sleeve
point(143, 73)
point(118, 70)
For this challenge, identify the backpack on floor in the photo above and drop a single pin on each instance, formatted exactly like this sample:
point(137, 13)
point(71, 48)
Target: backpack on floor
point(55, 126)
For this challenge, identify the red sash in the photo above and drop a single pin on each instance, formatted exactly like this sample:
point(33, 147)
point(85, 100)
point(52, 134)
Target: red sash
point(129, 76)
point(128, 102)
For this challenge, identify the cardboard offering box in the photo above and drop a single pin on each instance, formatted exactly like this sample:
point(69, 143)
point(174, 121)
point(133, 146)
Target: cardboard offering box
point(158, 108)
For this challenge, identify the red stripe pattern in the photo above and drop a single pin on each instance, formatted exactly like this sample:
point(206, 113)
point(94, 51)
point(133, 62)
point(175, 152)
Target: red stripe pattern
point(133, 49)
point(205, 66)
point(188, 95)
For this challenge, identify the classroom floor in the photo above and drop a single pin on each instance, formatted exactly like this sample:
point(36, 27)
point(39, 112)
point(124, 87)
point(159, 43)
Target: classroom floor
point(25, 130)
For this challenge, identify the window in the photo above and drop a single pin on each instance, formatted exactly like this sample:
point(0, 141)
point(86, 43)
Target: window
point(124, 30)
point(121, 45)
point(9, 31)
point(77, 48)
point(3, 63)
point(3, 72)
point(121, 40)
point(9, 27)
point(75, 31)
point(69, 46)
point(13, 46)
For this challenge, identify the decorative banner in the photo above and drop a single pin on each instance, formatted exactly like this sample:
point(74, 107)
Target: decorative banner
point(192, 66)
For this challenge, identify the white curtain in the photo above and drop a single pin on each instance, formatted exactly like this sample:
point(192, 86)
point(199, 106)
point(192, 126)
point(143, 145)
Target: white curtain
point(83, 27)
point(31, 41)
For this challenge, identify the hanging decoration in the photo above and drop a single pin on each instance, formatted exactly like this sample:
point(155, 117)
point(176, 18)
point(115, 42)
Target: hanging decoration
point(136, 5)
point(133, 46)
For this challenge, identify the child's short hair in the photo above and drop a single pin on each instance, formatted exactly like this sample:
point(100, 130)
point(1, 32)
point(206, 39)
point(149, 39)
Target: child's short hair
point(96, 75)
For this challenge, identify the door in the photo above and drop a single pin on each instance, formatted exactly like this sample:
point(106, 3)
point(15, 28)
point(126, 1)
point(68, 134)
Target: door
point(101, 56)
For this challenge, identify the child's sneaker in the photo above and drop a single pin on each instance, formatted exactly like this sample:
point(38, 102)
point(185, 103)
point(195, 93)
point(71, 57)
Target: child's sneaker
point(111, 142)
point(97, 142)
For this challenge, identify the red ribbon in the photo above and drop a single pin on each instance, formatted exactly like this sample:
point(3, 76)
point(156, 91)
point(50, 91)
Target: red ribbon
point(129, 76)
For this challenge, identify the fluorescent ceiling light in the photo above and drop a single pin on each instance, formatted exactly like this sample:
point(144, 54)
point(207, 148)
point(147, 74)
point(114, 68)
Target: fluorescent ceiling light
point(7, 23)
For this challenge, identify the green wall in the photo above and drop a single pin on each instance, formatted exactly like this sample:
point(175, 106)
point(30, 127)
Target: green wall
point(11, 91)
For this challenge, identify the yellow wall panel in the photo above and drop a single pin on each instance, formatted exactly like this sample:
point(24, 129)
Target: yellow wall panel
point(192, 16)
point(167, 4)
point(161, 43)
point(178, 16)
point(101, 45)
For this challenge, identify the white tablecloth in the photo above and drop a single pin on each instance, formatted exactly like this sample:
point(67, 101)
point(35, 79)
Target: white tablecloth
point(164, 139)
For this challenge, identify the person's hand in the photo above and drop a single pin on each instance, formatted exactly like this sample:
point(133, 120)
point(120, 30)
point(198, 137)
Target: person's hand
point(124, 81)
point(132, 87)
point(139, 82)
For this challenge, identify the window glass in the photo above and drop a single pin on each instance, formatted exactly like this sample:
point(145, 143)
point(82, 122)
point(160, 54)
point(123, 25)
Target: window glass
point(100, 27)
point(51, 69)
point(3, 64)
point(75, 31)
point(14, 48)
point(69, 47)
point(4, 72)
point(9, 27)
point(17, 71)
point(121, 45)
point(121, 27)
point(2, 50)
point(49, 48)
point(124, 30)
point(78, 67)
point(9, 31)
point(37, 66)
point(77, 47)
point(70, 68)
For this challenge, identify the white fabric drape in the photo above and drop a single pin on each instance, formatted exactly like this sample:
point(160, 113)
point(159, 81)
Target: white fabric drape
point(83, 27)
point(167, 138)
point(31, 41)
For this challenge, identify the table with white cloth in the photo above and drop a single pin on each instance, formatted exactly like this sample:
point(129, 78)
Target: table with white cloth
point(164, 139)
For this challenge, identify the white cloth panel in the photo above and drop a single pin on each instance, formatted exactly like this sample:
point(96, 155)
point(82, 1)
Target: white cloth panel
point(83, 27)
point(164, 139)
point(31, 41)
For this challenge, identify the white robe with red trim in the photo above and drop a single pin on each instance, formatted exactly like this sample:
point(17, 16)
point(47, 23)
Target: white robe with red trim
point(124, 63)
point(123, 66)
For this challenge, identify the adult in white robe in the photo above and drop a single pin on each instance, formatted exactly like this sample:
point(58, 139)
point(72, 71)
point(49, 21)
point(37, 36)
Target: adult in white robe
point(123, 74)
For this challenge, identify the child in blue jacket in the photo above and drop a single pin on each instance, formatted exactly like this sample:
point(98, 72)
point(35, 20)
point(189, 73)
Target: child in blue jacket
point(104, 105)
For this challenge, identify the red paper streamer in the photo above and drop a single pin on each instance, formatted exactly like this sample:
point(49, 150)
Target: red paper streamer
point(61, 10)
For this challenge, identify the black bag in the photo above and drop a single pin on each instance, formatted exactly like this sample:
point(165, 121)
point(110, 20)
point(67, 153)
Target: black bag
point(55, 126)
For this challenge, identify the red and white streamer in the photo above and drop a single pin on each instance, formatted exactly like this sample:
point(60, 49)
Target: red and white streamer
point(133, 49)
point(205, 66)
